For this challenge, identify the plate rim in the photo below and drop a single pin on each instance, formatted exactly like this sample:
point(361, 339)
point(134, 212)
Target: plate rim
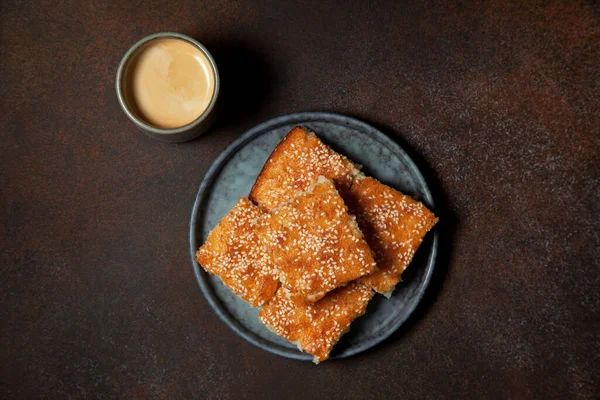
point(208, 179)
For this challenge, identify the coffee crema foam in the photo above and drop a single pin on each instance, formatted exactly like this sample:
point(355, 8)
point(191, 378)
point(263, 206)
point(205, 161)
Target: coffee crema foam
point(169, 83)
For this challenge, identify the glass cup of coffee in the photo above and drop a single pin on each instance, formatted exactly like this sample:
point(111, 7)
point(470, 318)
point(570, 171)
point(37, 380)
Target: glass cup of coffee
point(168, 85)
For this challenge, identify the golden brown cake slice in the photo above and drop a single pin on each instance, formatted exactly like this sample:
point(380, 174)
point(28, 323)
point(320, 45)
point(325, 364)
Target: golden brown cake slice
point(297, 161)
point(233, 252)
point(314, 242)
point(394, 226)
point(316, 327)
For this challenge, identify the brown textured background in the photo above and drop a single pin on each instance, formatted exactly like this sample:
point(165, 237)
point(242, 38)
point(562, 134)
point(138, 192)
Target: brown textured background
point(497, 100)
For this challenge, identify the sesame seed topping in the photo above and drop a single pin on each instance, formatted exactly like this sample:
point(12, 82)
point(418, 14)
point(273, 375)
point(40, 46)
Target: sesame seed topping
point(316, 327)
point(318, 248)
point(233, 252)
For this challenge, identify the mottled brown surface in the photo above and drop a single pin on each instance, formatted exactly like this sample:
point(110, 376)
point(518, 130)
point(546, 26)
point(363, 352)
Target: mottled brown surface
point(498, 100)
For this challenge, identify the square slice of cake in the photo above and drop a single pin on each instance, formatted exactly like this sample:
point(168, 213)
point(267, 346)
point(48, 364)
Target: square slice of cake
point(314, 242)
point(394, 226)
point(316, 328)
point(234, 253)
point(297, 161)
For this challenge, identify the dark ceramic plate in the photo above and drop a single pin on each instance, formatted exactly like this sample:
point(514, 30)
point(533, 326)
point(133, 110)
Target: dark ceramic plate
point(232, 175)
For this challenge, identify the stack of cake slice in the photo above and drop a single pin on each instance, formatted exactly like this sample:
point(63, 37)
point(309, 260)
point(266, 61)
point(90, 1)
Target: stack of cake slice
point(313, 242)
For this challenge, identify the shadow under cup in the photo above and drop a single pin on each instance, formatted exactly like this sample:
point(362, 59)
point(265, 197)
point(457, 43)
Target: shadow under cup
point(127, 99)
